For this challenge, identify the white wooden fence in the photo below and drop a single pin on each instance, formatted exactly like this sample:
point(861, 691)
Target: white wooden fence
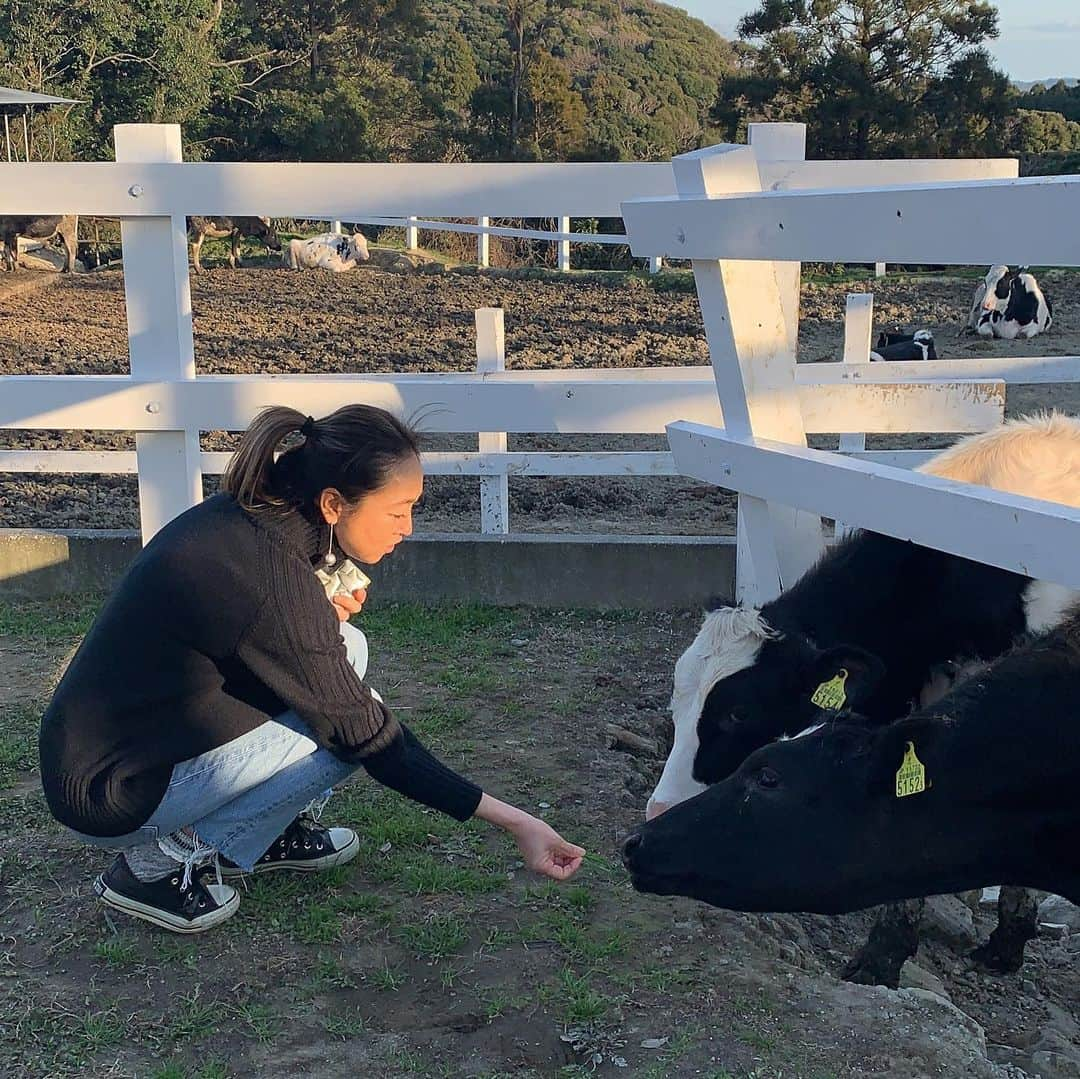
point(167, 405)
point(745, 241)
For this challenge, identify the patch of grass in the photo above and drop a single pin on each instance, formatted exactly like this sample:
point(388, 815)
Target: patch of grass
point(45, 621)
point(578, 1000)
point(387, 980)
point(100, 1030)
point(259, 1020)
point(580, 943)
point(117, 951)
point(19, 725)
point(432, 877)
point(471, 679)
point(191, 1017)
point(499, 1002)
point(435, 720)
point(408, 625)
point(435, 937)
point(177, 952)
point(348, 1024)
point(305, 910)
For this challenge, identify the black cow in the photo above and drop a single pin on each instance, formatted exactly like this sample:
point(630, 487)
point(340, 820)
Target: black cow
point(258, 228)
point(980, 788)
point(895, 345)
point(39, 228)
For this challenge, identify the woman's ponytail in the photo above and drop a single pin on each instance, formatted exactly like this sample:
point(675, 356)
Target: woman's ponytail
point(253, 478)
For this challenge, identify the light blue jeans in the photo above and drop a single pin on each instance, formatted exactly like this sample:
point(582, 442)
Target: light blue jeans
point(240, 796)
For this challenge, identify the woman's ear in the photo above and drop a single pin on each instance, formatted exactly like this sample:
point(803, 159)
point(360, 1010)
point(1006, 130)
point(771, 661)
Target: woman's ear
point(331, 505)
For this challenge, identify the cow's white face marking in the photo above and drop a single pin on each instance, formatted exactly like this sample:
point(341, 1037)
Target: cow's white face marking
point(1046, 605)
point(991, 301)
point(729, 641)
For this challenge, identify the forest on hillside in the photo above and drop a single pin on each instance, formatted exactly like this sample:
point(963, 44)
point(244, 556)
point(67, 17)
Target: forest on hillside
point(482, 80)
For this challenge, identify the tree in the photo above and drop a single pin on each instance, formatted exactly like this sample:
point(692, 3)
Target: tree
point(871, 77)
point(556, 111)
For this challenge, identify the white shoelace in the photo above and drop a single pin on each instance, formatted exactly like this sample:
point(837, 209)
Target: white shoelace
point(192, 852)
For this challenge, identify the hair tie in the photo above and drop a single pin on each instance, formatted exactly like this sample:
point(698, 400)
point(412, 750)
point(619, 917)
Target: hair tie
point(307, 428)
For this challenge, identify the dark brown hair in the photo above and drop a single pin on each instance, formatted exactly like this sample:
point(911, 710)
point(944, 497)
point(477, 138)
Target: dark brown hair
point(353, 449)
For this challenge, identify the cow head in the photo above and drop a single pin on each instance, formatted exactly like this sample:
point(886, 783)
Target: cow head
point(358, 248)
point(814, 824)
point(740, 685)
point(268, 234)
point(997, 285)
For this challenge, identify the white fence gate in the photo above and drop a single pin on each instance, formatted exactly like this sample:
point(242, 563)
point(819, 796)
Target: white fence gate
point(750, 309)
point(746, 243)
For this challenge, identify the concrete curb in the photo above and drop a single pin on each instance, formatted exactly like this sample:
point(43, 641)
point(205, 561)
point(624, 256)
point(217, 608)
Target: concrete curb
point(604, 572)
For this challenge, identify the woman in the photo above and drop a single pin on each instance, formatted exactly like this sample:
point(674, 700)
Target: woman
point(219, 693)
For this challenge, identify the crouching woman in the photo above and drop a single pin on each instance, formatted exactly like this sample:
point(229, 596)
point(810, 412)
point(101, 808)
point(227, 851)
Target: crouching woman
point(219, 694)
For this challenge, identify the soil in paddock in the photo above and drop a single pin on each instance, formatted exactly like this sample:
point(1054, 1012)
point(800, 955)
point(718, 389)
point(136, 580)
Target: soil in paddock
point(435, 955)
point(271, 321)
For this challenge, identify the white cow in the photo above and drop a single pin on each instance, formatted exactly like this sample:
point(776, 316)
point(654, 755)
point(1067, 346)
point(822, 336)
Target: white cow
point(328, 252)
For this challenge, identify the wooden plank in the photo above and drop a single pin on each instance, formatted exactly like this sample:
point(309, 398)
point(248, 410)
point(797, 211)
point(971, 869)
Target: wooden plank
point(157, 295)
point(1026, 535)
point(467, 403)
point(947, 223)
point(348, 191)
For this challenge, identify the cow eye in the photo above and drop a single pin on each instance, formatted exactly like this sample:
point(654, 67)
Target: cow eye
point(768, 779)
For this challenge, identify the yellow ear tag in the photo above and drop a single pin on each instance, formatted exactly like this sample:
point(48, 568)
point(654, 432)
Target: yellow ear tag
point(831, 694)
point(911, 779)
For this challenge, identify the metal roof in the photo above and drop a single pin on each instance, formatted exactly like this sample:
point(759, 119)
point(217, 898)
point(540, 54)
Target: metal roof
point(9, 96)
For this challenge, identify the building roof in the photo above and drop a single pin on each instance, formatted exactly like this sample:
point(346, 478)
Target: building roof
point(9, 96)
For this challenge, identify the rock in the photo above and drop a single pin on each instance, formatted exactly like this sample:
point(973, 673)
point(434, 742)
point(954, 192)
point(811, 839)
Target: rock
point(912, 976)
point(949, 920)
point(1051, 1065)
point(45, 258)
point(1060, 911)
point(1053, 930)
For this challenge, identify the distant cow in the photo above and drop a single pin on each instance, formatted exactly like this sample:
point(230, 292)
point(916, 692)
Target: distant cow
point(982, 787)
point(255, 228)
point(1009, 304)
point(904, 346)
point(39, 228)
point(329, 251)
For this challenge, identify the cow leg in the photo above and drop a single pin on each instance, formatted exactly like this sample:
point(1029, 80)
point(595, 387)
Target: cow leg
point(68, 230)
point(196, 247)
point(894, 937)
point(1003, 952)
point(234, 250)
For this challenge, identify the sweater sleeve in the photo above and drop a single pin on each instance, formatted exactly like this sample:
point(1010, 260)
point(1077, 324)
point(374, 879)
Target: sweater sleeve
point(407, 767)
point(294, 648)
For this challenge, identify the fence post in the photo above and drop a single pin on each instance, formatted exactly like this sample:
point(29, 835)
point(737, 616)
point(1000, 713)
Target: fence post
point(157, 294)
point(858, 333)
point(335, 227)
point(564, 245)
point(656, 263)
point(491, 356)
point(879, 269)
point(412, 234)
point(483, 242)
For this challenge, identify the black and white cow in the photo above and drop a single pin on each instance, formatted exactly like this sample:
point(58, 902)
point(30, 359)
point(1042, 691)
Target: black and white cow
point(259, 228)
point(980, 788)
point(330, 251)
point(1009, 304)
point(904, 346)
point(873, 625)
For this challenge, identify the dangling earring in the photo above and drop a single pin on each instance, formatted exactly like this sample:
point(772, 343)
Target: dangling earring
point(330, 558)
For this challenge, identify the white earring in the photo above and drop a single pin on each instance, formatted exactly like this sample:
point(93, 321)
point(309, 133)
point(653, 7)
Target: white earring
point(330, 558)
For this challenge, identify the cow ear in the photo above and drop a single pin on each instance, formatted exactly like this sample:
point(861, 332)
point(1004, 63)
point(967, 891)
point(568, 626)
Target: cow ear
point(844, 677)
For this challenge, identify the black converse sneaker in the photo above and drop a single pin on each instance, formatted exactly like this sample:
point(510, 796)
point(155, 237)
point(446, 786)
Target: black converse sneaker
point(167, 902)
point(305, 845)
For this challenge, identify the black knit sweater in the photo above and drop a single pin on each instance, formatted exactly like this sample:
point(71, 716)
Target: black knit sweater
point(219, 625)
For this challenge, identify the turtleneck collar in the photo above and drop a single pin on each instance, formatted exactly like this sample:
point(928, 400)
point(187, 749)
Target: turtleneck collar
point(303, 533)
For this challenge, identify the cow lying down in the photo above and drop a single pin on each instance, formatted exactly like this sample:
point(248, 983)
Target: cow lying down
point(980, 788)
point(896, 345)
point(329, 251)
point(1009, 304)
point(877, 625)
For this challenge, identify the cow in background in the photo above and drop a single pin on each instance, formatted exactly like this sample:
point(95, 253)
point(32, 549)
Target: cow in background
point(65, 226)
point(330, 251)
point(895, 345)
point(1009, 304)
point(255, 228)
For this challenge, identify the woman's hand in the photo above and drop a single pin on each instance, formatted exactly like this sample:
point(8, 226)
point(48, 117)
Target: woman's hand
point(346, 604)
point(543, 849)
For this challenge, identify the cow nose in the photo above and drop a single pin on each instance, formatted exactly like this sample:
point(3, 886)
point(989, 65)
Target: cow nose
point(630, 846)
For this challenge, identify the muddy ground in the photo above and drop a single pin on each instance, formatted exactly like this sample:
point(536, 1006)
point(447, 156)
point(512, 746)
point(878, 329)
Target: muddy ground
point(268, 320)
point(435, 954)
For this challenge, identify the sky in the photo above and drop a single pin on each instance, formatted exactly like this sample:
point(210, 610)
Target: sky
point(1038, 39)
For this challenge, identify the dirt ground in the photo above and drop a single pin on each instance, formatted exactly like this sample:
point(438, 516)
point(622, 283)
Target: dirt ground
point(269, 320)
point(435, 954)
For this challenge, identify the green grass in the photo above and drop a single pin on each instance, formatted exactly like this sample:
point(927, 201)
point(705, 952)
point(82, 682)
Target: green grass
point(117, 951)
point(453, 629)
point(19, 725)
point(577, 999)
point(48, 621)
point(348, 1024)
point(436, 937)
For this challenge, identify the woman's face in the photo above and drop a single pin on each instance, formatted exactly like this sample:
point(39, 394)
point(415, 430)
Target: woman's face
point(380, 520)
